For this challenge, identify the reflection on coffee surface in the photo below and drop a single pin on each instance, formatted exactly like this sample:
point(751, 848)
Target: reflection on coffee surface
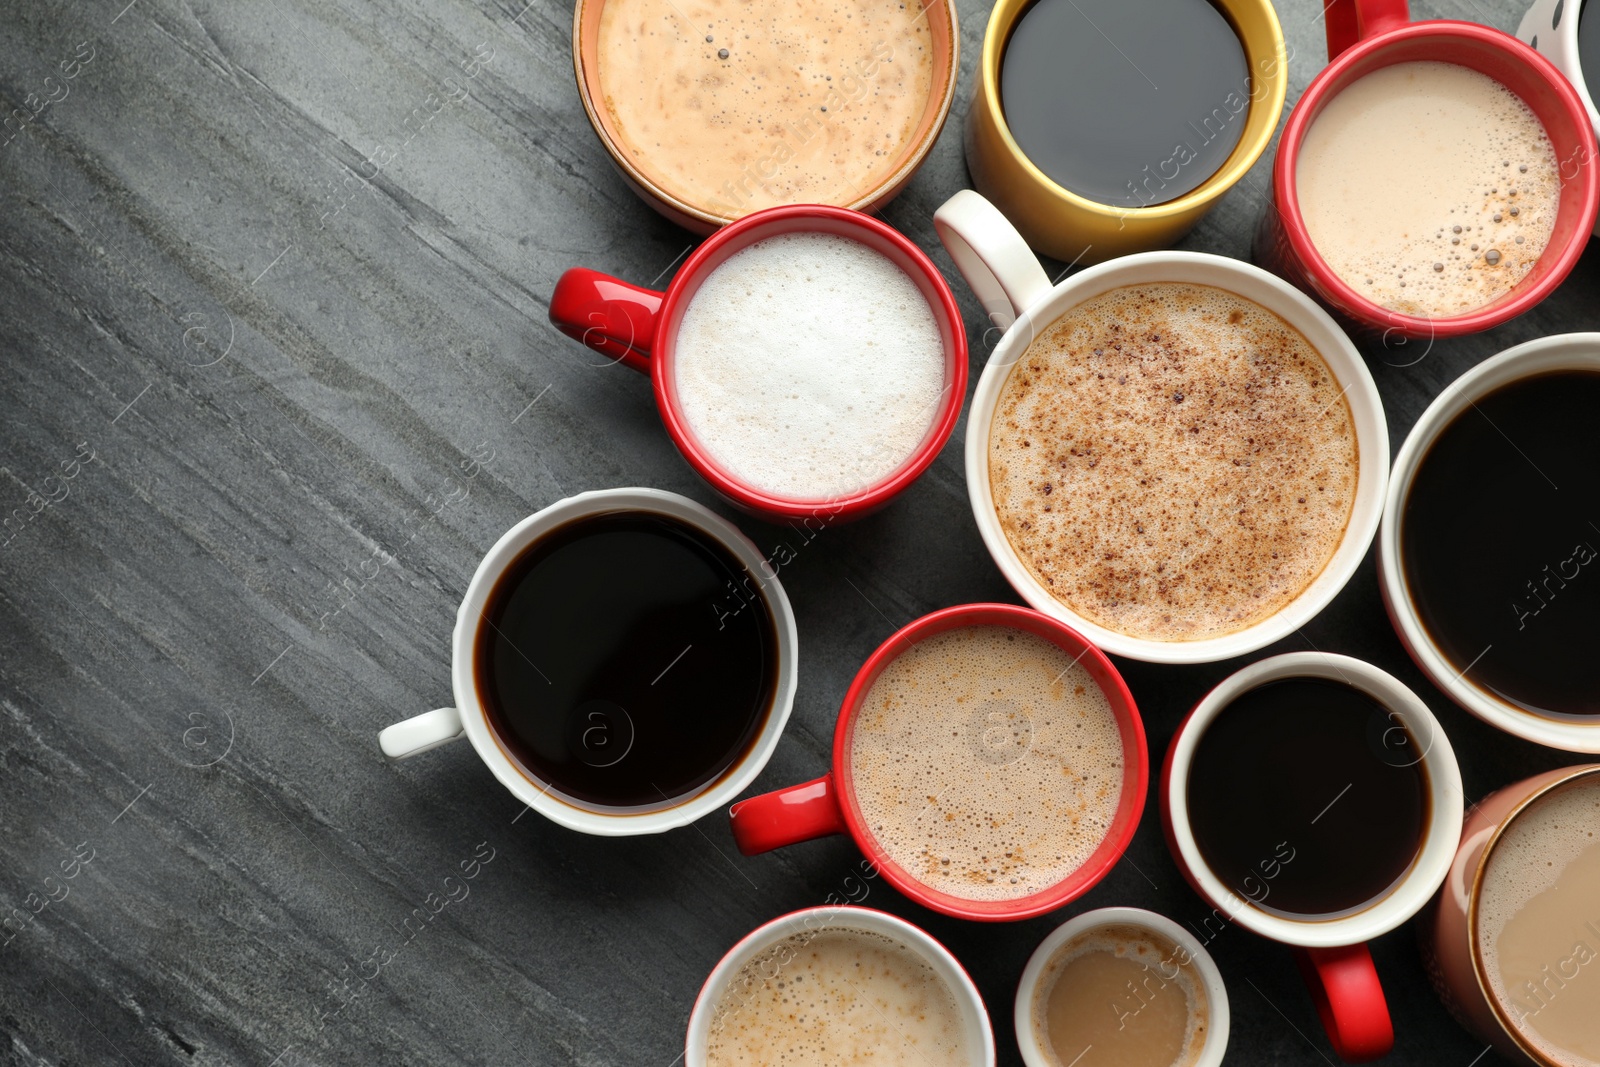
point(809, 366)
point(1428, 188)
point(1121, 996)
point(732, 107)
point(607, 668)
point(1498, 543)
point(1172, 461)
point(1307, 797)
point(987, 763)
point(1122, 103)
point(1538, 922)
point(837, 996)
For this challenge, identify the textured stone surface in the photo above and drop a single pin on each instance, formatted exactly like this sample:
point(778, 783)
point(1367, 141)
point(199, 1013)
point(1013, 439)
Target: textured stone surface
point(288, 364)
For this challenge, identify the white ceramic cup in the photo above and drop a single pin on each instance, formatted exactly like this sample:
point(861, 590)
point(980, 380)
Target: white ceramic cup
point(1007, 279)
point(976, 1031)
point(1190, 953)
point(430, 730)
point(1570, 351)
point(1551, 28)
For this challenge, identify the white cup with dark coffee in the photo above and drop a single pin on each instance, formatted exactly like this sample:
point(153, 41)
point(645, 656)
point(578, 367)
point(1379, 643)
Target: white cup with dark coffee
point(624, 662)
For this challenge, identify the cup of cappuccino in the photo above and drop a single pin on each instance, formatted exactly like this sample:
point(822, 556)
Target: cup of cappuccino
point(1512, 941)
point(714, 109)
point(1436, 179)
point(1178, 455)
point(988, 761)
point(809, 362)
point(839, 985)
point(1558, 30)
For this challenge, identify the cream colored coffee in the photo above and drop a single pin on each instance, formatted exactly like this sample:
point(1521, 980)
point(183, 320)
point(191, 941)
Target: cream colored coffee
point(1429, 188)
point(1121, 996)
point(987, 763)
point(732, 106)
point(837, 996)
point(1172, 462)
point(1539, 922)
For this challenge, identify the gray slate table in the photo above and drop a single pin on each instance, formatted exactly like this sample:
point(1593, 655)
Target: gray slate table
point(269, 366)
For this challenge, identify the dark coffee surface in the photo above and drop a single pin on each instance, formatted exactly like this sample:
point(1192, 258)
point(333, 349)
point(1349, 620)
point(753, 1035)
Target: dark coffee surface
point(1500, 539)
point(1125, 103)
point(619, 666)
point(1307, 797)
point(1589, 45)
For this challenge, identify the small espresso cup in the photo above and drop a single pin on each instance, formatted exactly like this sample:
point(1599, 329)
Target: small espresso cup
point(804, 926)
point(1060, 223)
point(638, 328)
point(1126, 1004)
point(829, 805)
point(1331, 951)
point(1551, 28)
point(1021, 302)
point(1367, 35)
point(469, 716)
point(1564, 352)
point(1453, 943)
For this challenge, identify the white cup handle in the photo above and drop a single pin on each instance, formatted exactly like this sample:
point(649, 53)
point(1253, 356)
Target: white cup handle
point(430, 730)
point(1000, 268)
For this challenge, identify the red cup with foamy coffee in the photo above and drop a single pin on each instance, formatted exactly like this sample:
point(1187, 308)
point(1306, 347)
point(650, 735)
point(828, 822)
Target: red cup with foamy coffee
point(1436, 179)
point(988, 760)
point(808, 361)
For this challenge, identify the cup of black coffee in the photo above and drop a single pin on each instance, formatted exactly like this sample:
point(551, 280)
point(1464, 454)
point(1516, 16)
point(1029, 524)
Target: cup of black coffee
point(1314, 799)
point(624, 662)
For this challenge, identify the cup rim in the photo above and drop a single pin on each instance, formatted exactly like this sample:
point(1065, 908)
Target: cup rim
point(1567, 351)
point(1569, 64)
point(940, 426)
point(1216, 1042)
point(1225, 178)
point(1286, 199)
point(870, 920)
point(699, 218)
point(1278, 297)
point(1435, 853)
point(1136, 770)
point(540, 796)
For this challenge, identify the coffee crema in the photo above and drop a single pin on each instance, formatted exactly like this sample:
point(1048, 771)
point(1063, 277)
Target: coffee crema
point(837, 996)
point(732, 107)
point(1172, 462)
point(809, 366)
point(987, 763)
point(1121, 995)
point(1428, 188)
point(1538, 922)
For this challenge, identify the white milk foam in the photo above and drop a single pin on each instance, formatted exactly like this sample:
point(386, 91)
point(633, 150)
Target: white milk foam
point(809, 366)
point(987, 763)
point(836, 996)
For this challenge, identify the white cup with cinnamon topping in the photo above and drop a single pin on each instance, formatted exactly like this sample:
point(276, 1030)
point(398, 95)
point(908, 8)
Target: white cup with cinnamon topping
point(1178, 455)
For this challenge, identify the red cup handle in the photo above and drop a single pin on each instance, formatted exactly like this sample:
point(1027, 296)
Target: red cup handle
point(1344, 984)
point(1350, 21)
point(787, 816)
point(607, 314)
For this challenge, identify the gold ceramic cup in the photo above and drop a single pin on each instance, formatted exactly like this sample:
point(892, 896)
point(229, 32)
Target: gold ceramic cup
point(705, 217)
point(1069, 227)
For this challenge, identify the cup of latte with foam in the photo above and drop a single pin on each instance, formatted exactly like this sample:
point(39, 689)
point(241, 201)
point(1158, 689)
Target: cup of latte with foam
point(1178, 455)
point(809, 362)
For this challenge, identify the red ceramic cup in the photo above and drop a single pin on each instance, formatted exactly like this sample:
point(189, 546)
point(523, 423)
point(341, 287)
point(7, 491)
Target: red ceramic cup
point(637, 327)
point(1365, 35)
point(828, 804)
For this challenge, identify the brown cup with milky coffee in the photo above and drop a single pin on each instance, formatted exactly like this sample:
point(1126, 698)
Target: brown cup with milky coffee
point(713, 109)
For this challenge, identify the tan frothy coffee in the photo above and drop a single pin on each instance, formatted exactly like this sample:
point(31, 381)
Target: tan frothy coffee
point(987, 763)
point(1172, 462)
point(1121, 996)
point(1429, 188)
point(837, 996)
point(732, 106)
point(1538, 922)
